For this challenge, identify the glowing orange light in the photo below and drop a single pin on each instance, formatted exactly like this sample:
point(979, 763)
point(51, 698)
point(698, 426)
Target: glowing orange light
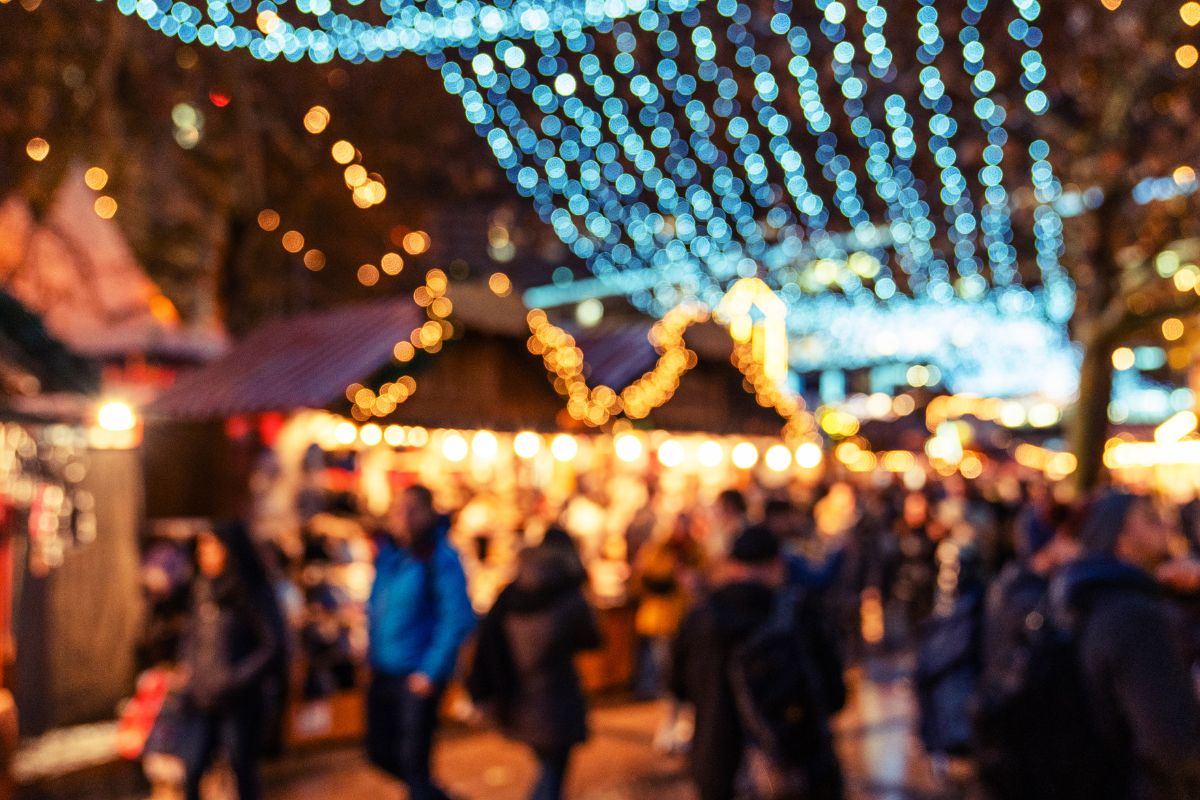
point(416, 243)
point(37, 148)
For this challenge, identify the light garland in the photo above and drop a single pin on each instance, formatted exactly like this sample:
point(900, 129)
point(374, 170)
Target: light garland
point(661, 140)
point(429, 336)
point(1008, 413)
point(798, 423)
point(313, 30)
point(606, 216)
point(596, 406)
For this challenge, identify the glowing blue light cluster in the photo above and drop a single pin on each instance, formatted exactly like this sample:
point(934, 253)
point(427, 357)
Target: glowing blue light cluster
point(648, 159)
point(313, 29)
point(675, 146)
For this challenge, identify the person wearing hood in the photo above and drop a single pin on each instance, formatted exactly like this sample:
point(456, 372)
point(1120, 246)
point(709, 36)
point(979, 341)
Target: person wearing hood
point(747, 596)
point(1136, 678)
point(418, 615)
point(524, 670)
point(1008, 759)
point(1043, 549)
point(232, 640)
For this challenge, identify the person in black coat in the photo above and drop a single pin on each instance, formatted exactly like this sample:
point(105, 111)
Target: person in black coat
point(1136, 678)
point(538, 624)
point(231, 644)
point(742, 603)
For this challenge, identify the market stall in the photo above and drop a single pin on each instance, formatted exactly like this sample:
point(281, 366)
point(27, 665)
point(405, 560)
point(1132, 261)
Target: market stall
point(503, 459)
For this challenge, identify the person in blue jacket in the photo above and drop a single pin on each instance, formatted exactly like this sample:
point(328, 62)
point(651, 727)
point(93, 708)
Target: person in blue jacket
point(417, 618)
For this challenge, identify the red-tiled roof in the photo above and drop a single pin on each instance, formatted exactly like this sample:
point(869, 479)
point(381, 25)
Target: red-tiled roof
point(301, 362)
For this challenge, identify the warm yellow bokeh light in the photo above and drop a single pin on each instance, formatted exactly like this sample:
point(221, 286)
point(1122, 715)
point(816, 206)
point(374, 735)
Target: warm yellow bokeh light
point(343, 152)
point(1123, 358)
point(37, 148)
point(314, 260)
point(710, 453)
point(778, 458)
point(744, 455)
point(416, 243)
point(1187, 56)
point(500, 284)
point(1190, 12)
point(355, 175)
point(392, 263)
point(368, 275)
point(1172, 329)
point(371, 434)
point(268, 219)
point(564, 447)
point(808, 455)
point(105, 207)
point(670, 453)
point(628, 447)
point(455, 447)
point(1185, 280)
point(316, 120)
point(95, 178)
point(527, 444)
point(293, 241)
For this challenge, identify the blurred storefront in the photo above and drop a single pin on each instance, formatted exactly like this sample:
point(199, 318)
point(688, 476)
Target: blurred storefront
point(481, 423)
point(70, 489)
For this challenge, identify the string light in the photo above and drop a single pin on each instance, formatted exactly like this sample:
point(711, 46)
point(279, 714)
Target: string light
point(316, 119)
point(105, 207)
point(564, 447)
point(652, 136)
point(428, 336)
point(37, 148)
point(596, 406)
point(95, 178)
point(313, 31)
point(527, 444)
point(500, 284)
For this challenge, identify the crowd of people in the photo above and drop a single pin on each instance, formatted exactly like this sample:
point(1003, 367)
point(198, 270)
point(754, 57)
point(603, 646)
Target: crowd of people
point(1056, 645)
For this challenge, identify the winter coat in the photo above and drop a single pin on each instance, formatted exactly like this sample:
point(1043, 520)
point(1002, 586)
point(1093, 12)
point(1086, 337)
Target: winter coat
point(229, 645)
point(947, 674)
point(1016, 593)
point(546, 621)
point(419, 613)
point(1137, 680)
point(701, 675)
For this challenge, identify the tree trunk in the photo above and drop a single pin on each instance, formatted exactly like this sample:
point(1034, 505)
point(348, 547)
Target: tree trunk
point(1089, 427)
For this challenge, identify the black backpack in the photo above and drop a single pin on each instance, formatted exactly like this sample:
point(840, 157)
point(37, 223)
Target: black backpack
point(1034, 736)
point(782, 707)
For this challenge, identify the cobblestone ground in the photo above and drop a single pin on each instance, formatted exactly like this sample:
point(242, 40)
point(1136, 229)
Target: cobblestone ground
point(883, 759)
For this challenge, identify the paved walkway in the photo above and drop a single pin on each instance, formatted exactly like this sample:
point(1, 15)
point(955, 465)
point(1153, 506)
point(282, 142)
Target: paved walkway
point(883, 759)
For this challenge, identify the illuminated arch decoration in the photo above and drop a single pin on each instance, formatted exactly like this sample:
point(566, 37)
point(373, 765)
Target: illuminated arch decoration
point(757, 319)
point(596, 406)
point(857, 157)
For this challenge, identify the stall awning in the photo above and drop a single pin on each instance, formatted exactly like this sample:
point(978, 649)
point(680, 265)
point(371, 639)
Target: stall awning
point(300, 362)
point(33, 362)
